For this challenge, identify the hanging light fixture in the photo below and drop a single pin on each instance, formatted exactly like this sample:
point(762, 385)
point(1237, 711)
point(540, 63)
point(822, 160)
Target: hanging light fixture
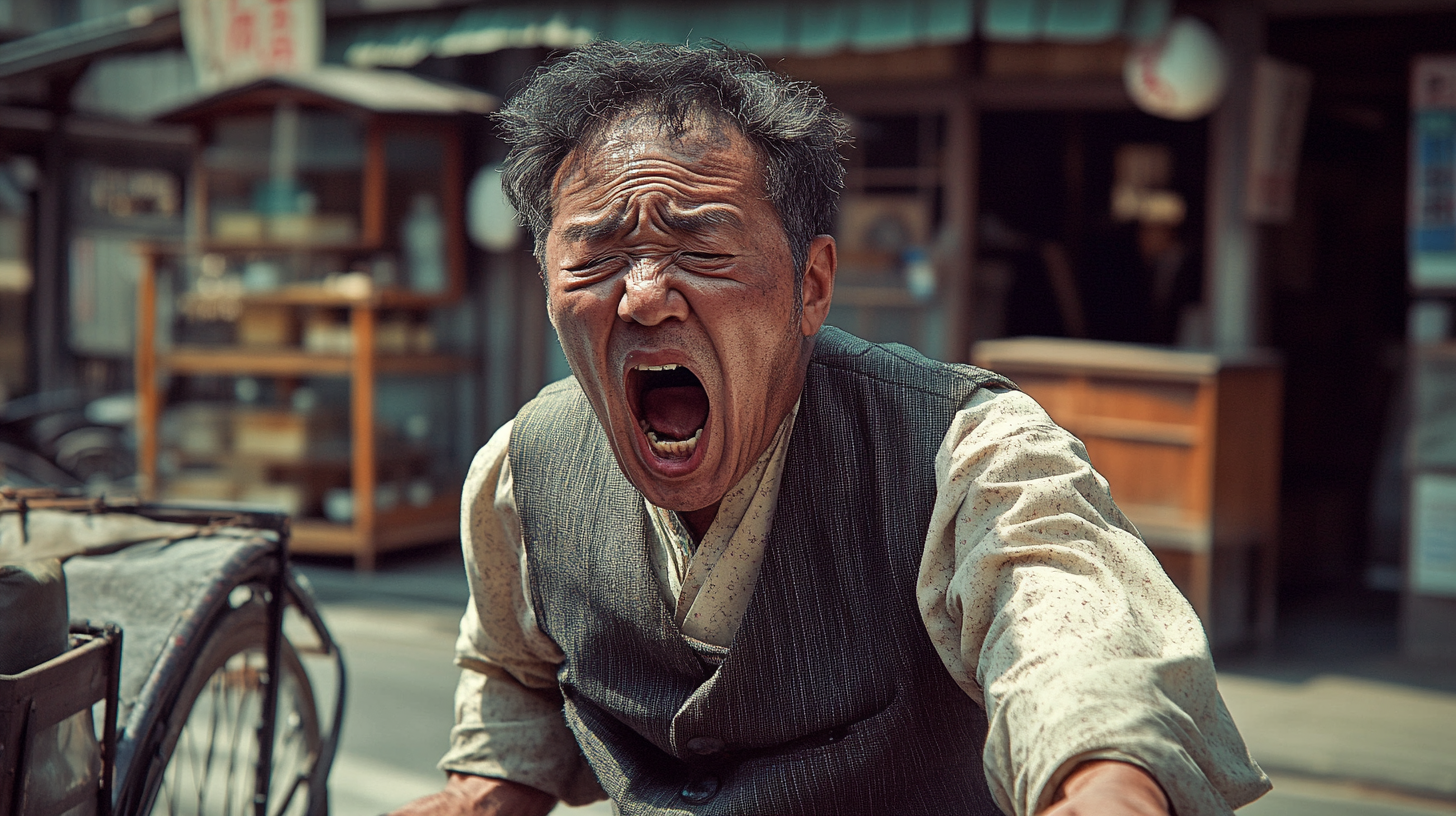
point(490, 218)
point(1181, 74)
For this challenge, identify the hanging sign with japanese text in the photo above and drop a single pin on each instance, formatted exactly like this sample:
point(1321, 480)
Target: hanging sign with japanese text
point(235, 41)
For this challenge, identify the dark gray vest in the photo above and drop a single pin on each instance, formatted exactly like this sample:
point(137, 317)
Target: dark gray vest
point(832, 698)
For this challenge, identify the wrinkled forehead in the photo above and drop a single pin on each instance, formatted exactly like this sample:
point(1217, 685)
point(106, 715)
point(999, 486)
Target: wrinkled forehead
point(692, 136)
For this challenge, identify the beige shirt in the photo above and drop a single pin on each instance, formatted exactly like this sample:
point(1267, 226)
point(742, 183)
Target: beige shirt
point(1041, 600)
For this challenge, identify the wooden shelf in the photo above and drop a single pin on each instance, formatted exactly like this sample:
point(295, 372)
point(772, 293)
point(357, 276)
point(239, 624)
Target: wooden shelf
point(1135, 430)
point(325, 297)
point(1058, 355)
point(399, 528)
point(1444, 350)
point(388, 458)
point(284, 247)
point(1169, 528)
point(297, 363)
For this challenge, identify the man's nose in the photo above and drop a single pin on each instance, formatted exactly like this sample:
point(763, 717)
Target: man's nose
point(651, 296)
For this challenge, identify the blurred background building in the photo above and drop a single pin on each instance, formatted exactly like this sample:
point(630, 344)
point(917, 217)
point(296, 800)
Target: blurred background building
point(1216, 238)
point(292, 204)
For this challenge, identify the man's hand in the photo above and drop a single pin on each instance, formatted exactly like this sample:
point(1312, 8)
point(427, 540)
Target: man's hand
point(466, 795)
point(1108, 788)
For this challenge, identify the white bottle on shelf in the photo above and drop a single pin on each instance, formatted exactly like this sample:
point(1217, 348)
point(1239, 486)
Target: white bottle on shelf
point(424, 244)
point(919, 274)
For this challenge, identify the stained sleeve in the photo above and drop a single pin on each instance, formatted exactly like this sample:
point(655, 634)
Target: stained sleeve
point(508, 718)
point(1046, 607)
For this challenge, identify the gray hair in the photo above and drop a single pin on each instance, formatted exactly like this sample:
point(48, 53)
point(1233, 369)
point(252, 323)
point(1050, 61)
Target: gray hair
point(575, 98)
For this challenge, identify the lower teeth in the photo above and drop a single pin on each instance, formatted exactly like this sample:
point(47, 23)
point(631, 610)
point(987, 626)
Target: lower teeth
point(674, 447)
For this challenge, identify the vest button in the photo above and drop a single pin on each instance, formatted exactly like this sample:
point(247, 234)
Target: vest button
point(700, 790)
point(705, 745)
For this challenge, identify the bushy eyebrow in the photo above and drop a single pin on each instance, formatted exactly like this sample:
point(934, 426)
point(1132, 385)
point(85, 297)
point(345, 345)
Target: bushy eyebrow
point(693, 224)
point(699, 223)
point(596, 230)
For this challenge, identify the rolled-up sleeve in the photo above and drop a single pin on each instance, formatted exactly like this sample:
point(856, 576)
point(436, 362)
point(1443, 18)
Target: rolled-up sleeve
point(1046, 606)
point(508, 719)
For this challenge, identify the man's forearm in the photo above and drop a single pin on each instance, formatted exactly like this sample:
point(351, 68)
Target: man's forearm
point(466, 795)
point(1109, 786)
point(505, 730)
point(1044, 604)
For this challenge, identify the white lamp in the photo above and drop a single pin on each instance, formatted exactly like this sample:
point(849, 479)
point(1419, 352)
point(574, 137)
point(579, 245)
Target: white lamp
point(490, 218)
point(1182, 74)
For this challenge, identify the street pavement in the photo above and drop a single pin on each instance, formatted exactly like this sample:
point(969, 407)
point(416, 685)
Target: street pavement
point(396, 628)
point(1343, 726)
point(1335, 727)
point(1339, 719)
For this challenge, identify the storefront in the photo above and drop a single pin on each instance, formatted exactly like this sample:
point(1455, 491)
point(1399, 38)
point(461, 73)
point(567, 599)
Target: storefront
point(919, 80)
point(1004, 183)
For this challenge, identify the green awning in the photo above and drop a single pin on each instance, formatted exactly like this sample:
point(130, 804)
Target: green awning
point(808, 28)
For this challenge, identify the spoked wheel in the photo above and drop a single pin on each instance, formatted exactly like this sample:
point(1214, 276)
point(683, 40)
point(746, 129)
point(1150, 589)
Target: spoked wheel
point(210, 747)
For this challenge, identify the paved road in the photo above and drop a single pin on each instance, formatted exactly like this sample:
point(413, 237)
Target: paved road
point(398, 715)
point(1301, 796)
point(399, 706)
point(1334, 726)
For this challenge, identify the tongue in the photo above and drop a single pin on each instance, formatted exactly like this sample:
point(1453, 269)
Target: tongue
point(676, 412)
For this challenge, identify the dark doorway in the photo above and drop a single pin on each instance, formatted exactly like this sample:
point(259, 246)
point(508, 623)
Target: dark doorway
point(1076, 256)
point(1337, 299)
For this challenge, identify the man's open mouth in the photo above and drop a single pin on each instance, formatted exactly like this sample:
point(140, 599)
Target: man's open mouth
point(671, 407)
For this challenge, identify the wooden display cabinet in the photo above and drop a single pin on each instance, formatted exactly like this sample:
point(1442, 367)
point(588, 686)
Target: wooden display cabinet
point(326, 224)
point(1189, 442)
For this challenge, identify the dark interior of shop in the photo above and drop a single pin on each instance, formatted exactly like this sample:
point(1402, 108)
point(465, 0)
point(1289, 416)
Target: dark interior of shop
point(1048, 186)
point(1337, 298)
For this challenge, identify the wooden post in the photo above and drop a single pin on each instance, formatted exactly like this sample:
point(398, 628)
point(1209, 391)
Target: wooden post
point(1199, 499)
point(50, 316)
point(962, 153)
point(1231, 277)
point(373, 186)
point(148, 395)
point(452, 209)
point(361, 429)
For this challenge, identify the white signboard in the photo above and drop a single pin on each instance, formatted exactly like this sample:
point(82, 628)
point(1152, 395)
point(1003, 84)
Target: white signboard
point(234, 41)
point(1276, 132)
point(1433, 535)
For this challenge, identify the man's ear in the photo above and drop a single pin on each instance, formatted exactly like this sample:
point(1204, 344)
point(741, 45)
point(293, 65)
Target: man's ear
point(818, 287)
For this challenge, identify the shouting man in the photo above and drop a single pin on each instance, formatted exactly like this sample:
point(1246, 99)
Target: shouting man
point(742, 562)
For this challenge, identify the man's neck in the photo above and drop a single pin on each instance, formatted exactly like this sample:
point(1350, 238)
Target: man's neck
point(698, 521)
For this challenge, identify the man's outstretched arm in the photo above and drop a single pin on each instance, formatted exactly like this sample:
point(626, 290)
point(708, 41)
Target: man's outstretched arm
point(1045, 605)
